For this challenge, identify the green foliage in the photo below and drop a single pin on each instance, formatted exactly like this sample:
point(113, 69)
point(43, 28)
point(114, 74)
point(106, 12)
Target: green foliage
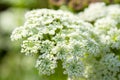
point(31, 4)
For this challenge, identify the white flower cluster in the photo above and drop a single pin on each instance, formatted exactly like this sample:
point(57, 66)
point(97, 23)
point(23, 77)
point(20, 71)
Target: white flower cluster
point(93, 12)
point(105, 68)
point(87, 51)
point(99, 10)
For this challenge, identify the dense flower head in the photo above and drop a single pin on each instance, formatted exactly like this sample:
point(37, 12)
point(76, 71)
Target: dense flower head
point(88, 51)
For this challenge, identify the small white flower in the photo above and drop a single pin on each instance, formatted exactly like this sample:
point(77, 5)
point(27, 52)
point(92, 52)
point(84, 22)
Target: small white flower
point(73, 67)
point(19, 33)
point(31, 46)
point(46, 64)
point(46, 46)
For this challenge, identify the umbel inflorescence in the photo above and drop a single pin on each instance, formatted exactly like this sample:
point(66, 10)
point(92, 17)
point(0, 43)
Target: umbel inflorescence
point(88, 43)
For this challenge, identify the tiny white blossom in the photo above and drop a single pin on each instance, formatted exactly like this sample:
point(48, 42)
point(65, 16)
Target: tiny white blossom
point(30, 47)
point(19, 33)
point(73, 67)
point(46, 64)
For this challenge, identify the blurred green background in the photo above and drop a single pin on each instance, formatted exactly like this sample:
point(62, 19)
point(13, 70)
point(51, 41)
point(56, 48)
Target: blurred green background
point(13, 64)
